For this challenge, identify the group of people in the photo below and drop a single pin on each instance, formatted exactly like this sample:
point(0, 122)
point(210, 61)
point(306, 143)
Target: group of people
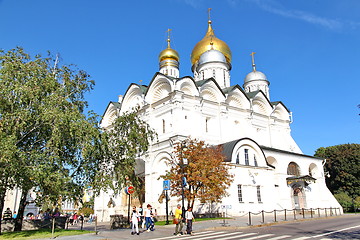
point(48, 214)
point(75, 218)
point(145, 217)
point(180, 219)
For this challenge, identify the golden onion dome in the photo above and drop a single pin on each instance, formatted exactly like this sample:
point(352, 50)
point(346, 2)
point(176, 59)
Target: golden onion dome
point(168, 53)
point(210, 42)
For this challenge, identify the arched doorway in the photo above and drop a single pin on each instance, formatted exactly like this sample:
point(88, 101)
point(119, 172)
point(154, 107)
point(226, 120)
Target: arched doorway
point(298, 197)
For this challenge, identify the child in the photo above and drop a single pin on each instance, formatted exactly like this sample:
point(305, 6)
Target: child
point(135, 222)
point(189, 219)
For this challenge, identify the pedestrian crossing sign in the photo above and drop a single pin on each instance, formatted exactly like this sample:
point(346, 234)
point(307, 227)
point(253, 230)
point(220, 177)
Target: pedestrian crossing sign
point(166, 185)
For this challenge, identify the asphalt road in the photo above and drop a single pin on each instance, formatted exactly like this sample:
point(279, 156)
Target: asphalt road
point(343, 227)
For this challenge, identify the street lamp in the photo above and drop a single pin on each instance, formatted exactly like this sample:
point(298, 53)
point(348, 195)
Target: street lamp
point(184, 163)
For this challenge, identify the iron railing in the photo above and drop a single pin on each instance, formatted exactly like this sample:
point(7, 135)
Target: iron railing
point(284, 214)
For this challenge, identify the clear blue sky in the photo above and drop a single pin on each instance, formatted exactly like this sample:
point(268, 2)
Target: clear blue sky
point(309, 50)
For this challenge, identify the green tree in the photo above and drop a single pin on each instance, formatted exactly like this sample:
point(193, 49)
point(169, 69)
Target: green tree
point(122, 143)
point(344, 200)
point(343, 166)
point(47, 143)
point(206, 173)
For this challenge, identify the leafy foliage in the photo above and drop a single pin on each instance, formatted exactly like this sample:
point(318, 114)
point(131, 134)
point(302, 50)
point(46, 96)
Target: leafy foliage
point(46, 140)
point(86, 211)
point(343, 166)
point(123, 142)
point(206, 172)
point(344, 200)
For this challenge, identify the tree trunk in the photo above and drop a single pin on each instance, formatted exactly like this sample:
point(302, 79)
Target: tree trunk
point(2, 201)
point(21, 210)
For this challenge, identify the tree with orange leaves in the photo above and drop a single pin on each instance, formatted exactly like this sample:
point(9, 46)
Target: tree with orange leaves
point(203, 166)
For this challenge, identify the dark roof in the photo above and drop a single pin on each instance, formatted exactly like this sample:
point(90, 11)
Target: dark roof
point(228, 148)
point(303, 178)
point(287, 152)
point(116, 104)
point(279, 102)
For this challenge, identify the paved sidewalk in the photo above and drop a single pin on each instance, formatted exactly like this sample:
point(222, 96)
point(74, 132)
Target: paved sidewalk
point(105, 233)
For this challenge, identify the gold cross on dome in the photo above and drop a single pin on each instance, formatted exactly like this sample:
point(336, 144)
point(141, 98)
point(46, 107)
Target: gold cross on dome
point(253, 60)
point(168, 40)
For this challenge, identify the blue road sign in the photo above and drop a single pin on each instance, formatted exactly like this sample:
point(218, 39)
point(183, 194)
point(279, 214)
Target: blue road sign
point(166, 185)
point(184, 181)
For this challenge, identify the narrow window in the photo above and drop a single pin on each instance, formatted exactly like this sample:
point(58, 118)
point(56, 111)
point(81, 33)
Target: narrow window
point(237, 159)
point(163, 125)
point(213, 73)
point(240, 193)
point(206, 125)
point(258, 193)
point(246, 151)
point(224, 77)
point(255, 161)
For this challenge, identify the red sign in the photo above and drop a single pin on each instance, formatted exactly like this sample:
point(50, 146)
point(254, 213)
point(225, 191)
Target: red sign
point(129, 190)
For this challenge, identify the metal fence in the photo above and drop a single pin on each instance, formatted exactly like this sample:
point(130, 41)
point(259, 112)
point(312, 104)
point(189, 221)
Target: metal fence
point(292, 214)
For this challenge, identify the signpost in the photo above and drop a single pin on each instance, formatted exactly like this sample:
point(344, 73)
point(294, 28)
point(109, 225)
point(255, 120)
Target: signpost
point(226, 207)
point(166, 187)
point(129, 190)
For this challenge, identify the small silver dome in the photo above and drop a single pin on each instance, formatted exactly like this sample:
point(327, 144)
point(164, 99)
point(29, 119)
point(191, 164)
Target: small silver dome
point(212, 56)
point(255, 75)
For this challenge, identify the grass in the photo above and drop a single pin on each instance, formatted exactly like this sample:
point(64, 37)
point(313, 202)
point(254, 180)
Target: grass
point(41, 233)
point(162, 223)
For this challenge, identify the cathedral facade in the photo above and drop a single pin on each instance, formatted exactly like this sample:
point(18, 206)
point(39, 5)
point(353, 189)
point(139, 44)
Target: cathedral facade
point(270, 171)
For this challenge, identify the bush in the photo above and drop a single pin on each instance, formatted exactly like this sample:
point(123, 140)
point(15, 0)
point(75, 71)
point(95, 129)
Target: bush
point(86, 211)
point(344, 200)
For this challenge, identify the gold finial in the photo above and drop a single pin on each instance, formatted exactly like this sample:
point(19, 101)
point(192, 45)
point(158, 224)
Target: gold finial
point(253, 61)
point(209, 18)
point(168, 39)
point(140, 81)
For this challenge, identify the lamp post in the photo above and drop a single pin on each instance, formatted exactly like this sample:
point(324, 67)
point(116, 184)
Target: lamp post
point(184, 163)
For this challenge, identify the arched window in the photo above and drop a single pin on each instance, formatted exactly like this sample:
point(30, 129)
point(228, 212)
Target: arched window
point(313, 170)
point(293, 169)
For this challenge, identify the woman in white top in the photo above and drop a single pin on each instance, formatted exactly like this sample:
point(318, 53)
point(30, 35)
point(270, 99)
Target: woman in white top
point(189, 219)
point(147, 214)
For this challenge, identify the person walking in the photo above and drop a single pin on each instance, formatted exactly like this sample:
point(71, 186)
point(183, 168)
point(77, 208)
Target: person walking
point(142, 219)
point(178, 221)
point(135, 218)
point(147, 214)
point(189, 216)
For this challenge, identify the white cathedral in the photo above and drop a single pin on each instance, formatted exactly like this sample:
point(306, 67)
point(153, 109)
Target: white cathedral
point(270, 171)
